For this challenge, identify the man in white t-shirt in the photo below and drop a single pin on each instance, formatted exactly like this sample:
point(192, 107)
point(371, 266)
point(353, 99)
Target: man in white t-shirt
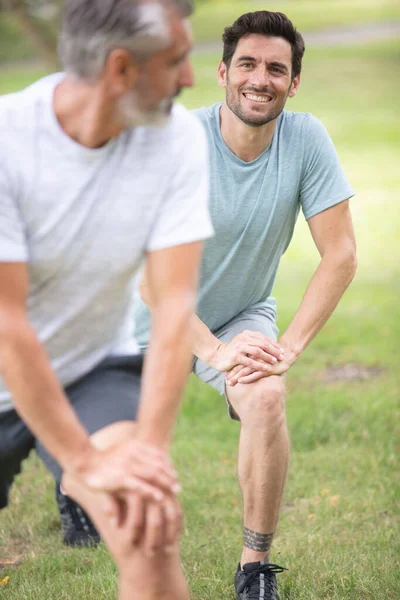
point(87, 191)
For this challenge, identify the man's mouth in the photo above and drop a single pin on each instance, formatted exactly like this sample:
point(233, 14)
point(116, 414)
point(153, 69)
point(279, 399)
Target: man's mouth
point(264, 98)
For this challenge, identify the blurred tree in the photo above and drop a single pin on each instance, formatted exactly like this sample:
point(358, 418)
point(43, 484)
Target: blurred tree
point(37, 21)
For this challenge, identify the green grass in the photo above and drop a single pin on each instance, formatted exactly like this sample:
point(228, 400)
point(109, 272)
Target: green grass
point(339, 527)
point(211, 17)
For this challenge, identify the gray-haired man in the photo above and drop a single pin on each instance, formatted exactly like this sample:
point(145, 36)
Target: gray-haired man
point(86, 192)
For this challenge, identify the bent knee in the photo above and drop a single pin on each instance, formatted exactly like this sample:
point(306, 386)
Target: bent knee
point(114, 434)
point(265, 401)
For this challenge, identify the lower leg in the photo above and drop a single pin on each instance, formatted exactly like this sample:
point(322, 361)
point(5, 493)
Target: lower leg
point(141, 578)
point(263, 464)
point(262, 481)
point(160, 578)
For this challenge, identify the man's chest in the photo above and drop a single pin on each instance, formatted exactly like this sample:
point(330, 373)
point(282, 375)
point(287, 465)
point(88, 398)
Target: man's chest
point(94, 219)
point(253, 206)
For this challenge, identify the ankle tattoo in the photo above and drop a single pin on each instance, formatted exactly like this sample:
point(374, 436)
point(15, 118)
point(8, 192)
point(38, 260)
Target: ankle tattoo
point(260, 542)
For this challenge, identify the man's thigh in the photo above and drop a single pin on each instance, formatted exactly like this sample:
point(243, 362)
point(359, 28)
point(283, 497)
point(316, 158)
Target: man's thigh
point(107, 395)
point(254, 319)
point(16, 441)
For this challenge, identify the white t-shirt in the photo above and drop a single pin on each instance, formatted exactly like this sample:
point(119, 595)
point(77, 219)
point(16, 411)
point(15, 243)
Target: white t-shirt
point(84, 219)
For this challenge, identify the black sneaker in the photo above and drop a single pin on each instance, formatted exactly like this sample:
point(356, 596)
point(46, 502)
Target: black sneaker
point(78, 529)
point(257, 581)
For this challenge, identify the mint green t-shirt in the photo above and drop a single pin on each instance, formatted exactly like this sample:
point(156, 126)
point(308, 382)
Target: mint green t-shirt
point(254, 207)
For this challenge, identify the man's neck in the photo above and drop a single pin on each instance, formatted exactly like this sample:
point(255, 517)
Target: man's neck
point(246, 142)
point(83, 114)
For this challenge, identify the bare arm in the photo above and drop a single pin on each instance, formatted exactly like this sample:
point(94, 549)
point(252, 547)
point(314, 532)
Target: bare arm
point(333, 234)
point(27, 373)
point(171, 283)
point(249, 348)
point(42, 404)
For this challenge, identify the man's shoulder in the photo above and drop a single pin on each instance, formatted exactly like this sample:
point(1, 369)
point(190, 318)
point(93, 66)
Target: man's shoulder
point(183, 120)
point(206, 113)
point(17, 109)
point(300, 123)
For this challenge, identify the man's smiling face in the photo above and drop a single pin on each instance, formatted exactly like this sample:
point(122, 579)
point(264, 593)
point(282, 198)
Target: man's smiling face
point(259, 79)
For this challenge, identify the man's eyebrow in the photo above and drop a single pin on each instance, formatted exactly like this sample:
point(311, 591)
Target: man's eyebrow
point(246, 58)
point(276, 63)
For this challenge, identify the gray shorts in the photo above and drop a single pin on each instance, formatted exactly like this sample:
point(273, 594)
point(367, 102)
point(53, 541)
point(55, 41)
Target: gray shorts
point(262, 319)
point(109, 393)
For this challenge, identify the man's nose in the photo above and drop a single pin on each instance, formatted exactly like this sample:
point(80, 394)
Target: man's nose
point(260, 77)
point(186, 74)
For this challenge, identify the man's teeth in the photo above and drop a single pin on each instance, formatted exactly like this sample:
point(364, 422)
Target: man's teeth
point(257, 98)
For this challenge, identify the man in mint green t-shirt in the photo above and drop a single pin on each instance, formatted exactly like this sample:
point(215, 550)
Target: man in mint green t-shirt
point(266, 165)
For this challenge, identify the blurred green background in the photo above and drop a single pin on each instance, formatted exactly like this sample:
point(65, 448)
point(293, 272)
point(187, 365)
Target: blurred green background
point(339, 528)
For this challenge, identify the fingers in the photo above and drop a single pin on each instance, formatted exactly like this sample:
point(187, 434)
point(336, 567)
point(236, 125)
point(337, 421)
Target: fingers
point(132, 467)
point(114, 510)
point(254, 357)
point(163, 526)
point(239, 371)
point(264, 342)
point(251, 377)
point(154, 534)
point(155, 476)
point(173, 522)
point(119, 483)
point(135, 518)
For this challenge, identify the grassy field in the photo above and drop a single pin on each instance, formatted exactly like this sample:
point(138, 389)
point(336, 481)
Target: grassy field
point(339, 528)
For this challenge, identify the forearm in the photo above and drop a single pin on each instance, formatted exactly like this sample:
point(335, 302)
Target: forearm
point(205, 344)
point(39, 399)
point(323, 293)
point(167, 367)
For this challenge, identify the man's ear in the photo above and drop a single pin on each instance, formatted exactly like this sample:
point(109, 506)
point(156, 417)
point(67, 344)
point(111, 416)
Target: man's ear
point(222, 73)
point(294, 87)
point(120, 71)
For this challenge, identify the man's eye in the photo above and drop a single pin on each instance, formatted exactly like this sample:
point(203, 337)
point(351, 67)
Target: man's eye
point(247, 65)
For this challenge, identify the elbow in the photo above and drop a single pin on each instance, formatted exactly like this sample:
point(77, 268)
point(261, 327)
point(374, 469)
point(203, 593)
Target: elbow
point(352, 264)
point(342, 262)
point(348, 264)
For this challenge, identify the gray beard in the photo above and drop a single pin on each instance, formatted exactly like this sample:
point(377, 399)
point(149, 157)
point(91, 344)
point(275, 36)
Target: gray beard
point(129, 114)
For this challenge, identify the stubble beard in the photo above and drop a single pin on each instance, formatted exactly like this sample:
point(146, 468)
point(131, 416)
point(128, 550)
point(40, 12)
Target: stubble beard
point(253, 121)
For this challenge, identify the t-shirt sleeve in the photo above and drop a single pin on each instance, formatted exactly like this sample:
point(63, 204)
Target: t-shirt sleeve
point(183, 216)
point(13, 247)
point(324, 183)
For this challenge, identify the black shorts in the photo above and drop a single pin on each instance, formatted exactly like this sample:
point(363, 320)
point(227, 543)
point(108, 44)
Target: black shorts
point(108, 394)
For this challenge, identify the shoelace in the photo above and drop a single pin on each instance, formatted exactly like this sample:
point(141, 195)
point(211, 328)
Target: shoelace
point(267, 569)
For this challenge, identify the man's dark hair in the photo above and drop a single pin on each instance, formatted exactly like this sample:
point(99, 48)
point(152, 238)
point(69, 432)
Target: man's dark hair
point(264, 22)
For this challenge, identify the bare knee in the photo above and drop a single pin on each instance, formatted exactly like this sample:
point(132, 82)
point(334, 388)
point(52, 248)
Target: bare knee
point(114, 434)
point(262, 402)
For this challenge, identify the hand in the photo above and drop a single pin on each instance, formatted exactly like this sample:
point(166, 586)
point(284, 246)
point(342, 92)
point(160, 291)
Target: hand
point(243, 374)
point(152, 527)
point(130, 466)
point(251, 349)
